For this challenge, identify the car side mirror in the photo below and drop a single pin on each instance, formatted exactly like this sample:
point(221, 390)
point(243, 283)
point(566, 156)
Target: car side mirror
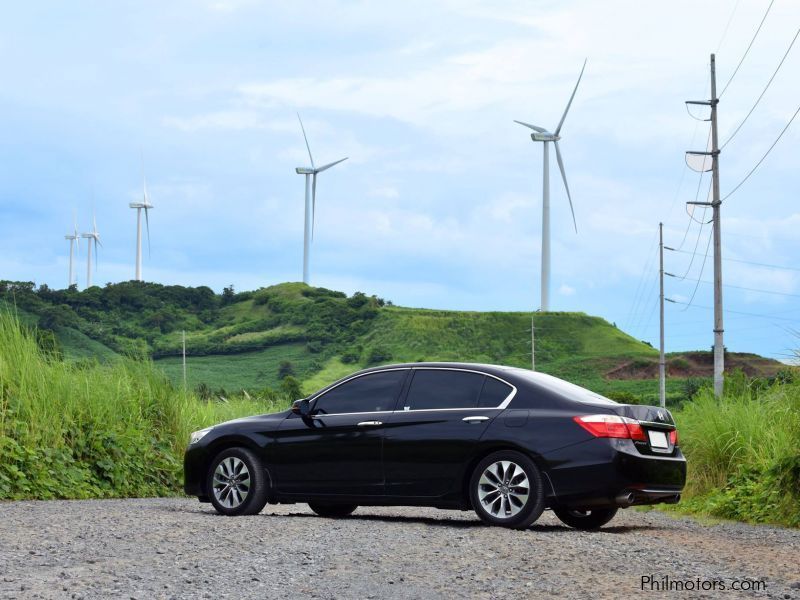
point(301, 407)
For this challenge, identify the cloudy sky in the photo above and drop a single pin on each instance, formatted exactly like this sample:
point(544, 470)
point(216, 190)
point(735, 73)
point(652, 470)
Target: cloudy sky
point(439, 204)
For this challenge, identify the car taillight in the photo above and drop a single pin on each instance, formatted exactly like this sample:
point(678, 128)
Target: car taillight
point(673, 437)
point(612, 426)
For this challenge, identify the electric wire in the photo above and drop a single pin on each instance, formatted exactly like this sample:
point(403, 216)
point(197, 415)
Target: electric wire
point(702, 267)
point(740, 287)
point(750, 45)
point(727, 26)
point(764, 91)
point(642, 277)
point(746, 262)
point(738, 312)
point(758, 164)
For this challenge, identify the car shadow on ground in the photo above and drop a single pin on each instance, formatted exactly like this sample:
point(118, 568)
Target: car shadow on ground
point(431, 521)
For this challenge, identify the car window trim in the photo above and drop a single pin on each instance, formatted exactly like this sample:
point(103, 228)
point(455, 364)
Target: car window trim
point(314, 399)
point(504, 404)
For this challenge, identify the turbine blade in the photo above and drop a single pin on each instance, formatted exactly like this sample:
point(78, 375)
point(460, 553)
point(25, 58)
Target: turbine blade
point(311, 158)
point(313, 204)
point(566, 110)
point(329, 165)
point(96, 241)
point(147, 222)
point(529, 126)
point(566, 185)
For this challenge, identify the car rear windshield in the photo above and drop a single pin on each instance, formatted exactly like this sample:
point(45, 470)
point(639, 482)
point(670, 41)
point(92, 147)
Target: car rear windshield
point(563, 388)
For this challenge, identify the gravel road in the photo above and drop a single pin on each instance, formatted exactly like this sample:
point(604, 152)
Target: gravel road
point(179, 548)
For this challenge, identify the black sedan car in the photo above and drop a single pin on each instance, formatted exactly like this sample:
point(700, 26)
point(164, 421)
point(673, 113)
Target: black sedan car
point(505, 442)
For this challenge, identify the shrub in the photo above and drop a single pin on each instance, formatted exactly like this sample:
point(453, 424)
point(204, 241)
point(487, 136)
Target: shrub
point(285, 368)
point(290, 387)
point(350, 357)
point(624, 397)
point(378, 354)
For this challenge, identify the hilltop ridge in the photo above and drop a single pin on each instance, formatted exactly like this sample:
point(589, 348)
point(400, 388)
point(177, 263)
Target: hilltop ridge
point(250, 340)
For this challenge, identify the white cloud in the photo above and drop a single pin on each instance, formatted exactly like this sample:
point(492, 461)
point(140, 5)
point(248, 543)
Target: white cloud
point(566, 290)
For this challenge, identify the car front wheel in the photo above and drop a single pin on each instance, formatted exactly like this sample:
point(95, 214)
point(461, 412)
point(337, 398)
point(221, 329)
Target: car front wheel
point(237, 483)
point(506, 490)
point(585, 519)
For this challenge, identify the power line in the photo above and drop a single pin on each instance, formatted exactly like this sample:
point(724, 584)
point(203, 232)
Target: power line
point(636, 298)
point(750, 45)
point(758, 164)
point(740, 287)
point(702, 267)
point(764, 91)
point(727, 26)
point(747, 262)
point(738, 312)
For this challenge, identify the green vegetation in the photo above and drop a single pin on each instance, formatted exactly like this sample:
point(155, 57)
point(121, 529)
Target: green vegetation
point(81, 429)
point(114, 428)
point(743, 451)
point(239, 341)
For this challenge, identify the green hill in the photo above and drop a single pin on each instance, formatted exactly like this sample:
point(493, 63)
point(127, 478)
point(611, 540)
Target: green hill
point(250, 340)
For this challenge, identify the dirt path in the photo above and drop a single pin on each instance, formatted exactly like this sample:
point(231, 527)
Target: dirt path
point(175, 548)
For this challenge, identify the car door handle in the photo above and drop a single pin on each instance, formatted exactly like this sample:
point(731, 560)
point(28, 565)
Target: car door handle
point(370, 423)
point(475, 419)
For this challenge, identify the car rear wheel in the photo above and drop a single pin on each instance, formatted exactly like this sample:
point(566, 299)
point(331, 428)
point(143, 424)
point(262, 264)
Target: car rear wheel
point(585, 519)
point(332, 510)
point(506, 490)
point(237, 483)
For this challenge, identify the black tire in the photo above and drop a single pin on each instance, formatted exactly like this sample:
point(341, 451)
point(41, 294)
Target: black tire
point(507, 509)
point(332, 510)
point(585, 519)
point(252, 488)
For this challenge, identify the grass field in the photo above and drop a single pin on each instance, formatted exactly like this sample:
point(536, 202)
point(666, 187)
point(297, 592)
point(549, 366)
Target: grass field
point(235, 372)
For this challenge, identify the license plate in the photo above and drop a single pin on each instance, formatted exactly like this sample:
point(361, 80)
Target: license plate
point(658, 439)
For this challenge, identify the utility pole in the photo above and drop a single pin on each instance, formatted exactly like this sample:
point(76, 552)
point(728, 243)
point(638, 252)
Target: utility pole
point(183, 335)
point(662, 365)
point(719, 346)
point(533, 346)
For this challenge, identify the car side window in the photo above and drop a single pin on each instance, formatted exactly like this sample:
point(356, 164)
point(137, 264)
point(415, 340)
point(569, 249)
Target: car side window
point(368, 393)
point(494, 393)
point(439, 388)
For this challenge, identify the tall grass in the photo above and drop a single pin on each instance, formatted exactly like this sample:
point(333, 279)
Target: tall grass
point(75, 430)
point(743, 452)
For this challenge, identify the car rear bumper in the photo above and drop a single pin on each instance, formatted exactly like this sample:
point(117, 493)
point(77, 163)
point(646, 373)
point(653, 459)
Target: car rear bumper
point(612, 472)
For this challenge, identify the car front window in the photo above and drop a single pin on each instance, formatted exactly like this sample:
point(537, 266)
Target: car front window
point(367, 393)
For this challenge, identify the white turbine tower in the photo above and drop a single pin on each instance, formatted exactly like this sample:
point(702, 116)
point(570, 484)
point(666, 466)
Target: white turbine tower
point(92, 236)
point(139, 206)
point(540, 134)
point(311, 199)
point(74, 241)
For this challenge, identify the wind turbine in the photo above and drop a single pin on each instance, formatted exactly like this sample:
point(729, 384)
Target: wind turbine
point(145, 204)
point(93, 235)
point(311, 199)
point(540, 134)
point(74, 241)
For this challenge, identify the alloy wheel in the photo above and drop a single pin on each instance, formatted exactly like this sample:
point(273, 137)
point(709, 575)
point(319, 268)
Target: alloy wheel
point(231, 482)
point(503, 489)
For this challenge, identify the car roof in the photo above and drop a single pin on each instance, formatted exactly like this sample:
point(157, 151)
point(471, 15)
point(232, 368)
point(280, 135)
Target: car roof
point(516, 376)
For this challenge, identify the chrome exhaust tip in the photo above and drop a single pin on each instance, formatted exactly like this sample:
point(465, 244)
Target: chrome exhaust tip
point(673, 499)
point(625, 500)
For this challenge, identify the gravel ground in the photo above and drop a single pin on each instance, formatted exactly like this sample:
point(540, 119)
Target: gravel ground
point(179, 548)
